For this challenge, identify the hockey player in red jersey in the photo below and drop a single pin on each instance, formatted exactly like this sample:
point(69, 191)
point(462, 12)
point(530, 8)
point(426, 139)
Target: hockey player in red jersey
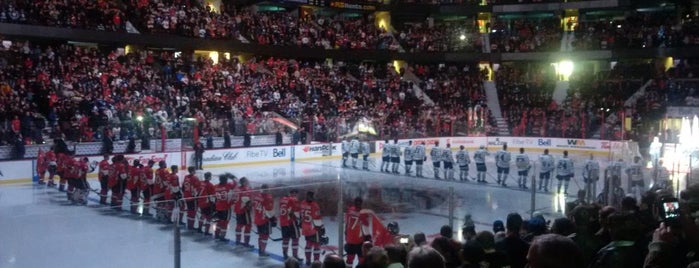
point(105, 169)
point(71, 172)
point(118, 181)
point(41, 166)
point(289, 215)
point(132, 184)
point(146, 186)
point(206, 202)
point(224, 197)
point(52, 166)
point(242, 208)
point(190, 187)
point(173, 194)
point(311, 227)
point(263, 205)
point(81, 186)
point(64, 160)
point(354, 233)
point(159, 190)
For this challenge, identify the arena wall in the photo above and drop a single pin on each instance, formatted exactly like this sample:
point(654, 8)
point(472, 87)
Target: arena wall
point(23, 171)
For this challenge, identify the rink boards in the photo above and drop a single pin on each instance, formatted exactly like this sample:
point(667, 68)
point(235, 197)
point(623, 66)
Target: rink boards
point(23, 171)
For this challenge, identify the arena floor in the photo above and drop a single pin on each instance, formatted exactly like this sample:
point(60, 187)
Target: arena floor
point(41, 229)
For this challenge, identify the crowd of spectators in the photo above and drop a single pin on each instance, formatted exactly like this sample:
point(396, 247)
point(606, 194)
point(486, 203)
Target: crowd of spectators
point(279, 28)
point(96, 15)
point(289, 28)
point(182, 17)
point(83, 94)
point(637, 30)
point(594, 103)
point(459, 97)
point(526, 35)
point(525, 97)
point(439, 37)
point(631, 233)
point(86, 94)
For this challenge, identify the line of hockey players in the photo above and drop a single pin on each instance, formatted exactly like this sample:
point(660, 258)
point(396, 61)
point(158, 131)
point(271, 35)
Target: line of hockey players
point(444, 159)
point(202, 205)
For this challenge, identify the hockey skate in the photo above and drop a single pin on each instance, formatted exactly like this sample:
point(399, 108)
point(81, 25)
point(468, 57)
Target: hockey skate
point(51, 184)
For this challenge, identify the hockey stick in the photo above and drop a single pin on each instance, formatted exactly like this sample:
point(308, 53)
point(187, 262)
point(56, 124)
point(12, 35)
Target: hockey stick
point(270, 238)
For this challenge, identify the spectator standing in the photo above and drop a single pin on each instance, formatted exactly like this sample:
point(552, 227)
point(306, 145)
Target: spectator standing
point(623, 251)
point(512, 245)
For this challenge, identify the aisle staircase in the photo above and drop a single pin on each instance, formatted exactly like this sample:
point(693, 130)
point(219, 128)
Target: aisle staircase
point(408, 75)
point(491, 94)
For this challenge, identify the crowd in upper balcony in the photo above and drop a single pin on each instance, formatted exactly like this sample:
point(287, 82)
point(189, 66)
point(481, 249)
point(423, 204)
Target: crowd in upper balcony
point(95, 15)
point(525, 35)
point(637, 30)
point(356, 31)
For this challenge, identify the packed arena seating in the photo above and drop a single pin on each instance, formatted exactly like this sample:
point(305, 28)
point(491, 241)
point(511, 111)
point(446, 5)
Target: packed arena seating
point(526, 35)
point(101, 93)
point(525, 100)
point(637, 30)
point(95, 15)
point(441, 37)
point(459, 97)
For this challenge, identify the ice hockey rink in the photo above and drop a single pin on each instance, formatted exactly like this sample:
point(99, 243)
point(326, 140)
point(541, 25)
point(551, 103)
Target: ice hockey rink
point(42, 229)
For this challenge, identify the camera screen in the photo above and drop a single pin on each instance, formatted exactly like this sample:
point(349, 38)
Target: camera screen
point(672, 209)
point(404, 240)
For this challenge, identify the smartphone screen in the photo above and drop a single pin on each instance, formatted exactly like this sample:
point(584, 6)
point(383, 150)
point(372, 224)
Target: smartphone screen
point(671, 209)
point(403, 240)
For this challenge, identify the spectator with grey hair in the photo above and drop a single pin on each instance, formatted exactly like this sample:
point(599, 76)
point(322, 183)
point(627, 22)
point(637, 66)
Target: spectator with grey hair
point(554, 251)
point(425, 257)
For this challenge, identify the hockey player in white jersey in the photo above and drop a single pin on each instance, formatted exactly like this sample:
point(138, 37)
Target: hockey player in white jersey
point(463, 160)
point(479, 158)
point(635, 174)
point(564, 172)
point(395, 156)
point(366, 150)
point(435, 155)
point(345, 152)
point(591, 176)
point(615, 169)
point(448, 159)
point(546, 162)
point(354, 151)
point(523, 166)
point(408, 157)
point(385, 156)
point(418, 158)
point(502, 161)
